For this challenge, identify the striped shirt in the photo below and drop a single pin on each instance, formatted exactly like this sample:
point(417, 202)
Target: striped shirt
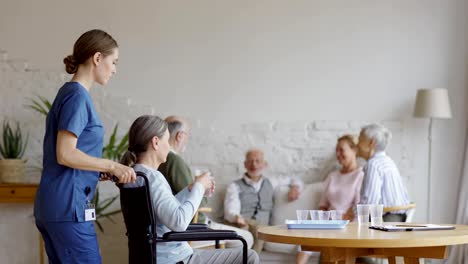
point(383, 183)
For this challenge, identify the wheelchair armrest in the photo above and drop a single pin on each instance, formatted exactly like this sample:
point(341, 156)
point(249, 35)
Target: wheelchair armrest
point(200, 235)
point(192, 227)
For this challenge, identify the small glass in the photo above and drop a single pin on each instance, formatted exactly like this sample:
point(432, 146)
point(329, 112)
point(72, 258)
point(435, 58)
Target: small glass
point(336, 215)
point(314, 214)
point(363, 214)
point(376, 213)
point(324, 215)
point(200, 171)
point(302, 215)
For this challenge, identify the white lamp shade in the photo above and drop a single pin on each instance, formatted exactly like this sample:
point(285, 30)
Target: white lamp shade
point(432, 103)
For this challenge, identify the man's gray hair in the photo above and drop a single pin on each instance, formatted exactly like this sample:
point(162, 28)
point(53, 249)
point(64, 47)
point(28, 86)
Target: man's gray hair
point(174, 127)
point(380, 134)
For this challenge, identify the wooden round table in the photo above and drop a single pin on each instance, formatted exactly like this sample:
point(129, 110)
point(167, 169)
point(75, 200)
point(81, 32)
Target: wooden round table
point(355, 241)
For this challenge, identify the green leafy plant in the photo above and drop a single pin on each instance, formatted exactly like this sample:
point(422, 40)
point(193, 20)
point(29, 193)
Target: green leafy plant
point(13, 142)
point(40, 105)
point(113, 150)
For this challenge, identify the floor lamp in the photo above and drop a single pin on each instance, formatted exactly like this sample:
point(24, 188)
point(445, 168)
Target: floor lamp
point(432, 104)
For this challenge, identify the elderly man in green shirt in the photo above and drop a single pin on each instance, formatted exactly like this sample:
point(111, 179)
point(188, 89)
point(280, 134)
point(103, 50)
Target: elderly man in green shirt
point(179, 174)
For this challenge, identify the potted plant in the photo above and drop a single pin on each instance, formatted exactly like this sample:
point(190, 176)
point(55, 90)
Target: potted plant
point(12, 147)
point(113, 150)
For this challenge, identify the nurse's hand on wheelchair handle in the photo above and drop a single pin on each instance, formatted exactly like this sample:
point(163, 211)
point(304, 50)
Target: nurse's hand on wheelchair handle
point(124, 174)
point(105, 176)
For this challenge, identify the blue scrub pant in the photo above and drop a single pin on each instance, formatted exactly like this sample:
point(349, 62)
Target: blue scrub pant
point(70, 242)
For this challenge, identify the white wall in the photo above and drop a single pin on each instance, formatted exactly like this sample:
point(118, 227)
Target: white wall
point(244, 69)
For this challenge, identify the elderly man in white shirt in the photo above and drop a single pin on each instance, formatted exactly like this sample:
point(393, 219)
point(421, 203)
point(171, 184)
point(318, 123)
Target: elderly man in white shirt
point(382, 182)
point(249, 200)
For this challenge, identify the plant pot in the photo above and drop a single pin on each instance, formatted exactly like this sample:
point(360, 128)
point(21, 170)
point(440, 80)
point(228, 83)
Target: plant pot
point(12, 170)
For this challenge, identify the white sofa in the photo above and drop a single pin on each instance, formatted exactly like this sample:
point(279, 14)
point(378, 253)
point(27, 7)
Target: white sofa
point(282, 210)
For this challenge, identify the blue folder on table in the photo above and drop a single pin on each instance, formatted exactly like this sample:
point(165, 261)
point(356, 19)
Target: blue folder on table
point(316, 224)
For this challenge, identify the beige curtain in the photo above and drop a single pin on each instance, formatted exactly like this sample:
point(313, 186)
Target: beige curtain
point(459, 254)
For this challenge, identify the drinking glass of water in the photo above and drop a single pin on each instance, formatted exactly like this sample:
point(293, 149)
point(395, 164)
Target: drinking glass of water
point(376, 213)
point(363, 214)
point(336, 215)
point(302, 215)
point(314, 214)
point(324, 215)
point(200, 171)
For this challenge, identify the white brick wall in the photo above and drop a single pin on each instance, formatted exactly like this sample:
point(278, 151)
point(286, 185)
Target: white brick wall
point(293, 148)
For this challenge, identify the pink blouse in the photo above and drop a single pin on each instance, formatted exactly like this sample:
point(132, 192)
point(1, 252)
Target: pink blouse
point(342, 191)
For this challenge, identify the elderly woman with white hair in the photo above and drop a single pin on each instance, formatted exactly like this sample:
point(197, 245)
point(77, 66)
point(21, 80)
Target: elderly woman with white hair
point(382, 182)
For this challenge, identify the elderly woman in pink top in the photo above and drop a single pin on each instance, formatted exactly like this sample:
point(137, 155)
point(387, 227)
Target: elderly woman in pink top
point(342, 187)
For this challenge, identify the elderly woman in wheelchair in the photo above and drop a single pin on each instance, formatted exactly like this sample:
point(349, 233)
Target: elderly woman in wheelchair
point(154, 216)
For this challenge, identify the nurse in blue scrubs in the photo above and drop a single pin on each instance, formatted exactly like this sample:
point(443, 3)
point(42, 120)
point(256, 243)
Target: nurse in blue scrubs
point(73, 144)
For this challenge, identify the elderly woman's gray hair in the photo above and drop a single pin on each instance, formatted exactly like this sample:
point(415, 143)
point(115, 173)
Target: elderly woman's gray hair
point(380, 134)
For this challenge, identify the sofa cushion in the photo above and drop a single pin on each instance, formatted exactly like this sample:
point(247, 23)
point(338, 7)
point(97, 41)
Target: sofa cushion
point(282, 210)
point(309, 199)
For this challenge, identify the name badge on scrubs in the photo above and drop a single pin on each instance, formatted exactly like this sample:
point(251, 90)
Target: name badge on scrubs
point(90, 212)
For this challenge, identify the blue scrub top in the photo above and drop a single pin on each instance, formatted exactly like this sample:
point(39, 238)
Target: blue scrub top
point(61, 195)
